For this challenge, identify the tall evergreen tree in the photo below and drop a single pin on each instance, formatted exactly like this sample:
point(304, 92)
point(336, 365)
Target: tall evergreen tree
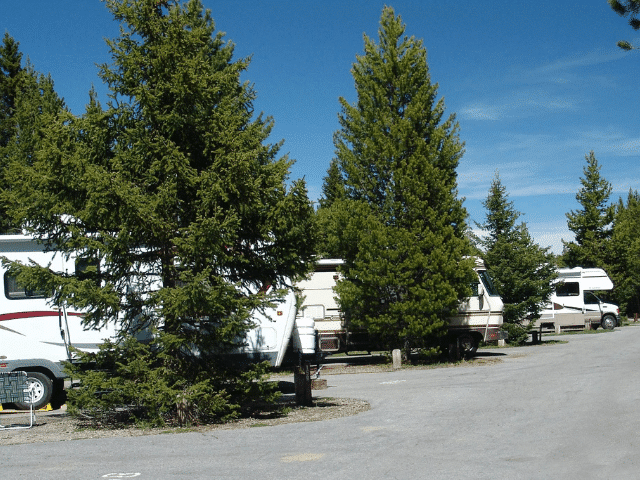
point(522, 271)
point(400, 227)
point(333, 185)
point(592, 223)
point(624, 254)
point(10, 75)
point(329, 222)
point(27, 101)
point(174, 202)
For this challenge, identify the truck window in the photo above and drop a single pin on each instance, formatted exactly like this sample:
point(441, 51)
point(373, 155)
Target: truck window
point(486, 280)
point(14, 291)
point(568, 289)
point(591, 299)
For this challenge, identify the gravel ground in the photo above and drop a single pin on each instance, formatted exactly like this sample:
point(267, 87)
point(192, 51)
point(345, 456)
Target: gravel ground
point(57, 426)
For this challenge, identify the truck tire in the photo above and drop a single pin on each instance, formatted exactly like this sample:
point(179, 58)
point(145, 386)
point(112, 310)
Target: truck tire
point(468, 346)
point(608, 322)
point(42, 391)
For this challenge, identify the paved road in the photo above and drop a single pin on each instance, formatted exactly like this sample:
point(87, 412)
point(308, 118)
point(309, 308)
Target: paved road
point(553, 411)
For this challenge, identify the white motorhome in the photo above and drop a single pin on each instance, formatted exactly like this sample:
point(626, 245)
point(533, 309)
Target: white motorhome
point(479, 317)
point(35, 335)
point(574, 303)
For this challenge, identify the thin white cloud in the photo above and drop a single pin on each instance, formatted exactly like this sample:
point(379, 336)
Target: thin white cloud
point(478, 192)
point(595, 57)
point(545, 234)
point(524, 102)
point(481, 112)
point(551, 235)
point(626, 148)
point(517, 105)
point(608, 141)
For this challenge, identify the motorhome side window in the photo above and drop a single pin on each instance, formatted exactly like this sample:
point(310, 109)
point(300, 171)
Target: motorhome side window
point(568, 289)
point(87, 269)
point(14, 291)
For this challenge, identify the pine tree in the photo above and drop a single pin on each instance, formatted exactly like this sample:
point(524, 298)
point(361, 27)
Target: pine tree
point(333, 186)
point(173, 201)
point(27, 101)
point(328, 213)
point(592, 223)
point(522, 271)
point(624, 254)
point(401, 226)
point(10, 76)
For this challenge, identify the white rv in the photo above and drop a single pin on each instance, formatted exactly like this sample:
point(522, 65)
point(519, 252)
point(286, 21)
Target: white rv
point(574, 303)
point(276, 330)
point(479, 317)
point(35, 335)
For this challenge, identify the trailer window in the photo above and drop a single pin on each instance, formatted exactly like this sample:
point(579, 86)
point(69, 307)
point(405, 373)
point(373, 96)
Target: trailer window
point(568, 289)
point(14, 291)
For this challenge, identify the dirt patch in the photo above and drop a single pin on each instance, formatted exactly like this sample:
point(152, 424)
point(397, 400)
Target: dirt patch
point(58, 426)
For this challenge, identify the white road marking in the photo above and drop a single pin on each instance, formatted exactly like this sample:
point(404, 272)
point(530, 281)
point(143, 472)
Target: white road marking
point(121, 475)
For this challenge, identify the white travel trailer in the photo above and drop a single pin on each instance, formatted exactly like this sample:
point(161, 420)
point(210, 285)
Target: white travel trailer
point(573, 304)
point(479, 317)
point(35, 335)
point(276, 330)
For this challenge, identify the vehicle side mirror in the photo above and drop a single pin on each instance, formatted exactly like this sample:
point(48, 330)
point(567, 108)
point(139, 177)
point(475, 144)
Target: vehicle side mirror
point(480, 290)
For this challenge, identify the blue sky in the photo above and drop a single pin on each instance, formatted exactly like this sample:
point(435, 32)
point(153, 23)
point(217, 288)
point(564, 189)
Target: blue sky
point(534, 85)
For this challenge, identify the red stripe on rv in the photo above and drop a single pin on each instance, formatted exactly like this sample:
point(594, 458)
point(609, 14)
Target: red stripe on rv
point(16, 315)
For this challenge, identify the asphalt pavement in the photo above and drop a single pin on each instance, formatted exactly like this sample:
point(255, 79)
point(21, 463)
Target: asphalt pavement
point(549, 411)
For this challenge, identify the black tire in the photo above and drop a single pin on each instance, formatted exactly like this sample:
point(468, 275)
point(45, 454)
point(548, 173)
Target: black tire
point(608, 322)
point(468, 346)
point(42, 390)
point(59, 395)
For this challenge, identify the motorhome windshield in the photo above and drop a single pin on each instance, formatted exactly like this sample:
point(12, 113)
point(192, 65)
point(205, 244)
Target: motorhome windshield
point(488, 283)
point(591, 298)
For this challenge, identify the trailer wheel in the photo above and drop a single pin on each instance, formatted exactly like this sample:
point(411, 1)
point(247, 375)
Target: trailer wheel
point(42, 390)
point(608, 322)
point(468, 346)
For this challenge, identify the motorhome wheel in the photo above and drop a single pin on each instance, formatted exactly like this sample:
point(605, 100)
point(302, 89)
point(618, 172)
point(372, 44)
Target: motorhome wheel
point(468, 346)
point(608, 322)
point(42, 389)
